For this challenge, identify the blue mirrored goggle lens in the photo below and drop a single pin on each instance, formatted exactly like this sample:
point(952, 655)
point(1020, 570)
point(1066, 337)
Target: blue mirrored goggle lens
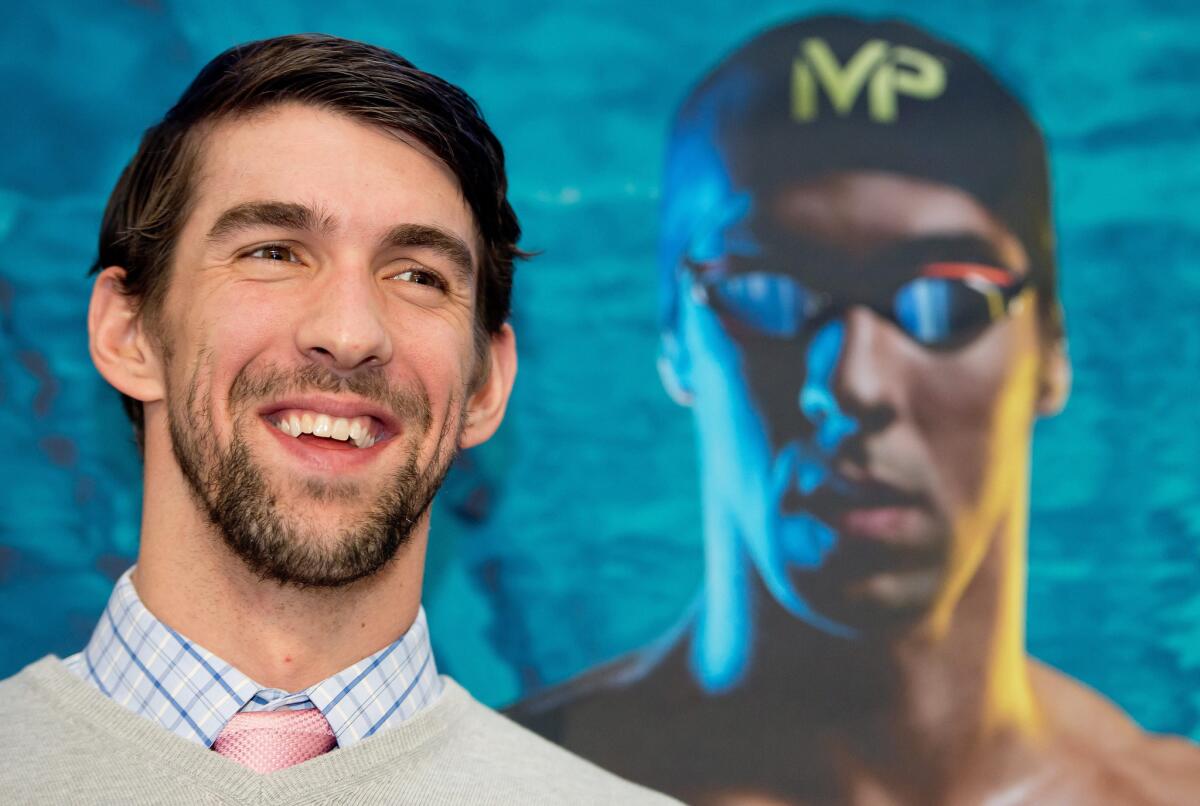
point(923, 310)
point(939, 311)
point(770, 303)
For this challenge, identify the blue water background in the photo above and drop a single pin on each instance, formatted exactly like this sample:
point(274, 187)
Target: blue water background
point(589, 540)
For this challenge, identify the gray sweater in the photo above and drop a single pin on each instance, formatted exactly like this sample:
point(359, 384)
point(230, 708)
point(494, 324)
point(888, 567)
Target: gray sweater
point(63, 742)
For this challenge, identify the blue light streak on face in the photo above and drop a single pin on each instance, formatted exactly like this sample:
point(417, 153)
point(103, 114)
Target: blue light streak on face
point(744, 479)
point(817, 399)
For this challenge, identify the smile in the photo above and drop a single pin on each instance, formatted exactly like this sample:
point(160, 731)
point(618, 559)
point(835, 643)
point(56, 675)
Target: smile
point(361, 432)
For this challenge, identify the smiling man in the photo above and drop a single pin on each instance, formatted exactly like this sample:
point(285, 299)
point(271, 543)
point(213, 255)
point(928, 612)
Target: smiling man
point(860, 312)
point(302, 292)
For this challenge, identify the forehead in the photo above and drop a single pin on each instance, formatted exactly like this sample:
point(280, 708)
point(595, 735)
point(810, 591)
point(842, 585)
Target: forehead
point(366, 179)
point(859, 213)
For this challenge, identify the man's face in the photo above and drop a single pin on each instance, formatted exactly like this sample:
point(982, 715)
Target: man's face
point(860, 442)
point(318, 340)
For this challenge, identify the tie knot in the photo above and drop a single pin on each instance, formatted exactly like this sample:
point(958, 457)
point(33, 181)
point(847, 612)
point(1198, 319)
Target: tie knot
point(266, 741)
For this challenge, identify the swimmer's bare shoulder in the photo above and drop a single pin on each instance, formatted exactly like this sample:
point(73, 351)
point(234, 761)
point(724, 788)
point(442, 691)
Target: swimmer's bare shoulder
point(1106, 757)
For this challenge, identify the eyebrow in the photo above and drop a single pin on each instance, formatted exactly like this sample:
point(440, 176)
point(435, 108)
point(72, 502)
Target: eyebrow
point(287, 215)
point(437, 240)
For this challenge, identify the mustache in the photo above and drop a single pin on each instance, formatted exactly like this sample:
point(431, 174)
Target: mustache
point(409, 405)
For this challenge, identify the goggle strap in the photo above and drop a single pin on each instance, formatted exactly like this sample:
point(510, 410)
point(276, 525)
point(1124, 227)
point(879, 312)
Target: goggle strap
point(960, 271)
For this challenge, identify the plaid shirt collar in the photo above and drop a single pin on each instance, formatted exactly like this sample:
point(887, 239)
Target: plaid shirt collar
point(144, 665)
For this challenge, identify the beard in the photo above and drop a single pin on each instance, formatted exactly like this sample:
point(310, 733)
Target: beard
point(234, 493)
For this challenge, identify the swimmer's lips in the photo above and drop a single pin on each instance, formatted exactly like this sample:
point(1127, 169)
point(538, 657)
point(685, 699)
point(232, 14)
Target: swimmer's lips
point(869, 511)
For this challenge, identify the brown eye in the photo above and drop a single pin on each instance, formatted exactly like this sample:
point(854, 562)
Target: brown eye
point(274, 252)
point(419, 277)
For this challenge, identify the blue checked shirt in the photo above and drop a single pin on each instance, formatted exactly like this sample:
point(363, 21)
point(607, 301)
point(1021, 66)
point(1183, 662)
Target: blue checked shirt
point(144, 665)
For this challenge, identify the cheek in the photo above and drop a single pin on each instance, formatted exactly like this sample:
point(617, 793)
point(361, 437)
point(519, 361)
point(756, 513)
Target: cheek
point(253, 312)
point(226, 333)
point(234, 318)
point(975, 408)
point(438, 356)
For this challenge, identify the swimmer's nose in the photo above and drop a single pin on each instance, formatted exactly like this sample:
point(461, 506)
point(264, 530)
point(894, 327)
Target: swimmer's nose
point(847, 383)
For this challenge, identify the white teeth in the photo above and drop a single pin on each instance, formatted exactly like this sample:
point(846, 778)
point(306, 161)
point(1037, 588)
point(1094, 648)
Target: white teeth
point(340, 430)
point(360, 432)
point(357, 430)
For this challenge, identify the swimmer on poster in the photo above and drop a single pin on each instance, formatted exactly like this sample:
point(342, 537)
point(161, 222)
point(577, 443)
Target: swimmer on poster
point(860, 311)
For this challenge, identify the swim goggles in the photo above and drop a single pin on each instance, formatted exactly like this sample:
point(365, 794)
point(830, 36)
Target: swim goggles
point(943, 306)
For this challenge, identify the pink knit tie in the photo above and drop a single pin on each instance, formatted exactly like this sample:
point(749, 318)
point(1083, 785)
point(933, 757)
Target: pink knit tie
point(266, 741)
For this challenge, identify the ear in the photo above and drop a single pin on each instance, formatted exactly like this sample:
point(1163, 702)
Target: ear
point(1054, 379)
point(120, 347)
point(675, 368)
point(485, 408)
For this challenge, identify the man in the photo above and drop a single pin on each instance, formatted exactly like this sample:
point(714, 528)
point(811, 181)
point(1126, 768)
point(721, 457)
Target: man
point(860, 310)
point(303, 281)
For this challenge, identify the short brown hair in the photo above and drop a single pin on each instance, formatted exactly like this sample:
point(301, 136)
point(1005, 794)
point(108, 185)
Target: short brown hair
point(153, 197)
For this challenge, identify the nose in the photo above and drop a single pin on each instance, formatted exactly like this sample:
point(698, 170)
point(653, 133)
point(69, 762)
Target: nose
point(343, 327)
point(844, 390)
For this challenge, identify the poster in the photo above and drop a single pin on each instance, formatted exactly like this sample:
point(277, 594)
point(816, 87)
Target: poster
point(577, 538)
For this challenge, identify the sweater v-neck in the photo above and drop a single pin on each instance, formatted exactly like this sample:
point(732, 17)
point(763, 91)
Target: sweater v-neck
point(384, 753)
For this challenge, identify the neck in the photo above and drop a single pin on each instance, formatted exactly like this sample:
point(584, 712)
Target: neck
point(920, 716)
point(281, 636)
point(958, 704)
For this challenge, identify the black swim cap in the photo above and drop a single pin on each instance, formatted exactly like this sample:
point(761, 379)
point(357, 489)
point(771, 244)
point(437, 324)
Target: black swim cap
point(833, 94)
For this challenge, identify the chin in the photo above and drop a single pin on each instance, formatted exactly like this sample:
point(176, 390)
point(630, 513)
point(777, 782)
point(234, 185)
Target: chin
point(873, 622)
point(884, 605)
point(322, 521)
